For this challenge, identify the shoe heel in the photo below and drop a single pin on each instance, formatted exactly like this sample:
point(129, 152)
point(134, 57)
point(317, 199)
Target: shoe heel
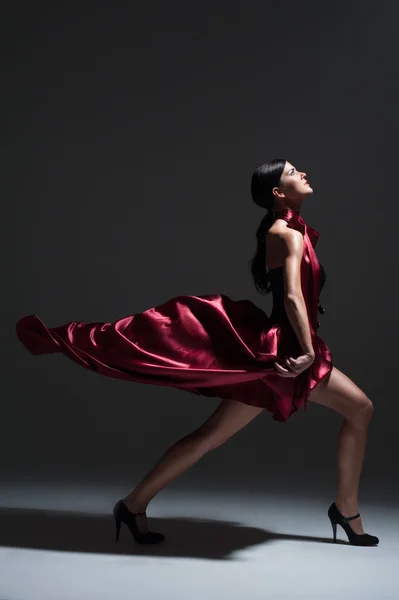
point(123, 515)
point(118, 528)
point(334, 528)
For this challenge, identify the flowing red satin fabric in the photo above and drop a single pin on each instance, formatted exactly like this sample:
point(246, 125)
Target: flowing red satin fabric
point(209, 345)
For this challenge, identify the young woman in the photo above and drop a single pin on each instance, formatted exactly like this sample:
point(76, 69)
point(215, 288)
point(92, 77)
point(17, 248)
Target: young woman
point(215, 346)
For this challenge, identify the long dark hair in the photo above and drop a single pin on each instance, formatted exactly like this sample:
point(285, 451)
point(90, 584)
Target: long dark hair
point(264, 179)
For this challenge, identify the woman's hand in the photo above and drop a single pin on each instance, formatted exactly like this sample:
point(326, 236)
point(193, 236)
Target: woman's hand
point(294, 366)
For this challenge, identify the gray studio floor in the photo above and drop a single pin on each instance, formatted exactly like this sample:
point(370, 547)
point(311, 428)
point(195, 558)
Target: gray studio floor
point(57, 543)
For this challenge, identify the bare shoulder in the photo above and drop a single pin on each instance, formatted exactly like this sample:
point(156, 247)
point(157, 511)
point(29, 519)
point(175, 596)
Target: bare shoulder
point(282, 241)
point(280, 237)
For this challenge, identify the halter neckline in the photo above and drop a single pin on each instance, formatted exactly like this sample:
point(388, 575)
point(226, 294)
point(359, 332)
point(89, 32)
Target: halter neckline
point(286, 212)
point(295, 221)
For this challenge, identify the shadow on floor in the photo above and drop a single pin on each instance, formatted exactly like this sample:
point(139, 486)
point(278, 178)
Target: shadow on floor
point(82, 532)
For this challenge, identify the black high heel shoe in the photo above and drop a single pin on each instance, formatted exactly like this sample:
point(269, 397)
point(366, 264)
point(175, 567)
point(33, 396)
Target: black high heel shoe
point(356, 539)
point(123, 515)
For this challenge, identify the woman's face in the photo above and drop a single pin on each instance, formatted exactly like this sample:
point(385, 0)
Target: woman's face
point(293, 184)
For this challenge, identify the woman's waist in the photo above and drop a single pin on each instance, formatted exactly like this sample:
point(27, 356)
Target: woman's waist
point(279, 316)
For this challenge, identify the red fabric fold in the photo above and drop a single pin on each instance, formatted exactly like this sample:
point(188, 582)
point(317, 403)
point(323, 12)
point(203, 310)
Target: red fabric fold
point(209, 345)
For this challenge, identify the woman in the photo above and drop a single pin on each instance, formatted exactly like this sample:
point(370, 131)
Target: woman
point(215, 346)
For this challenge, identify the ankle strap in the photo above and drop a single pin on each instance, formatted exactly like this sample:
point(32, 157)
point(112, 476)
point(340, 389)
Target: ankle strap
point(346, 519)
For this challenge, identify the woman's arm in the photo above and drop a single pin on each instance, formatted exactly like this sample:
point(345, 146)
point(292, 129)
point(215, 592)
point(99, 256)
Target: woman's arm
point(294, 303)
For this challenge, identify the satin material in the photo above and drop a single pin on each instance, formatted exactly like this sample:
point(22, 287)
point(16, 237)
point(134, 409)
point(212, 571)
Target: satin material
point(208, 345)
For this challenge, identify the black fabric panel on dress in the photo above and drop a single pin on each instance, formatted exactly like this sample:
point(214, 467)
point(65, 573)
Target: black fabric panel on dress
point(277, 288)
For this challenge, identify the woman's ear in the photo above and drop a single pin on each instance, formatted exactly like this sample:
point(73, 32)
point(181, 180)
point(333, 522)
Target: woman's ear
point(277, 194)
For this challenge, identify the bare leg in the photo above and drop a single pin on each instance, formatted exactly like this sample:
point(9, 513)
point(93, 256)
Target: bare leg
point(351, 450)
point(341, 394)
point(229, 417)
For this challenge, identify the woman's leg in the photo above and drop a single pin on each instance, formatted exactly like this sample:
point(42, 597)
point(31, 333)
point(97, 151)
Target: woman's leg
point(339, 392)
point(228, 418)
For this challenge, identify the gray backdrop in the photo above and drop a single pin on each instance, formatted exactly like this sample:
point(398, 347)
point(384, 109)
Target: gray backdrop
point(133, 131)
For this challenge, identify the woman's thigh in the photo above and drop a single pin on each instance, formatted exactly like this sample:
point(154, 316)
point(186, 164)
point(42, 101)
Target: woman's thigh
point(339, 392)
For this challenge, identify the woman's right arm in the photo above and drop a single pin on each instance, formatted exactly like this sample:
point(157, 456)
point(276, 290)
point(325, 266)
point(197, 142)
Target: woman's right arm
point(294, 303)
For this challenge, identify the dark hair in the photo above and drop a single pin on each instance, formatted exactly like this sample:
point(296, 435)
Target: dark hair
point(264, 179)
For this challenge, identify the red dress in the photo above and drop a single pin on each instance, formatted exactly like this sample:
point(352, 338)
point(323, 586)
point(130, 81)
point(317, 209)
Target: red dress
point(209, 345)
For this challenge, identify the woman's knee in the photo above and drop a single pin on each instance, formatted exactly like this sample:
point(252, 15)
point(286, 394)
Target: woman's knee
point(229, 417)
point(358, 409)
point(209, 438)
point(364, 409)
point(344, 396)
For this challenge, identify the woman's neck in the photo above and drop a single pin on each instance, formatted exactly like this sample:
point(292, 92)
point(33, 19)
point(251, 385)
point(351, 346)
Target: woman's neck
point(278, 210)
